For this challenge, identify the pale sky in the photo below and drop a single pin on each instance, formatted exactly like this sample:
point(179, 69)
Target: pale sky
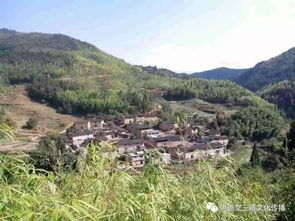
point(181, 35)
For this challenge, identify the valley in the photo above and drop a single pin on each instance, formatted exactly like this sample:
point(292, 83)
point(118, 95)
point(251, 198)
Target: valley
point(87, 135)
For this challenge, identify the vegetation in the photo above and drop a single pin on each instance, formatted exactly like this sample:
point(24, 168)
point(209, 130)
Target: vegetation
point(6, 127)
point(271, 71)
point(163, 72)
point(215, 91)
point(31, 123)
point(98, 191)
point(25, 56)
point(255, 160)
point(291, 137)
point(257, 123)
point(282, 94)
point(222, 73)
point(76, 77)
point(179, 93)
point(6, 131)
point(70, 97)
point(53, 154)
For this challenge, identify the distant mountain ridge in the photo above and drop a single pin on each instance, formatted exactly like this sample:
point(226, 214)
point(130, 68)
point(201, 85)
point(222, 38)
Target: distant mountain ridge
point(162, 71)
point(13, 40)
point(276, 69)
point(221, 73)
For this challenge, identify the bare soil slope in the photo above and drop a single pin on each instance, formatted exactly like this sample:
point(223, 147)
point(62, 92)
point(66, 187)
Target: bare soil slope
point(19, 108)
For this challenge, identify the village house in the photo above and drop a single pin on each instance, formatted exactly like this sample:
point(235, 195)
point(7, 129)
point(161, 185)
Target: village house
point(136, 159)
point(220, 139)
point(82, 125)
point(137, 129)
point(142, 119)
point(151, 133)
point(109, 134)
point(166, 126)
point(213, 139)
point(197, 151)
point(189, 153)
point(79, 137)
point(125, 120)
point(96, 124)
point(165, 142)
point(129, 145)
point(218, 149)
point(126, 135)
point(92, 125)
point(133, 135)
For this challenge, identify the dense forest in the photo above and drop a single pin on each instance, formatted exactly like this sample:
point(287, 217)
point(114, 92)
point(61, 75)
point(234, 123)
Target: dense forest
point(73, 98)
point(256, 123)
point(215, 91)
point(283, 95)
point(271, 71)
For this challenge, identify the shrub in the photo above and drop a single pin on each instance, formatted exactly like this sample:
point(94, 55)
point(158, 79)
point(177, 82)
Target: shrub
point(31, 123)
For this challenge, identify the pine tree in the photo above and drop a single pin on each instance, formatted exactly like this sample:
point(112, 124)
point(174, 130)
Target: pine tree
point(255, 160)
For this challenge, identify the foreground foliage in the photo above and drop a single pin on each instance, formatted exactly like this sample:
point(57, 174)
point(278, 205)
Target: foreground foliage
point(98, 191)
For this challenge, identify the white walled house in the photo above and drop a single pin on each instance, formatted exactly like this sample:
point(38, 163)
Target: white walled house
point(79, 137)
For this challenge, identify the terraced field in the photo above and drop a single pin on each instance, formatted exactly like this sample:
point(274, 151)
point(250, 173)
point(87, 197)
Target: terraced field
point(19, 108)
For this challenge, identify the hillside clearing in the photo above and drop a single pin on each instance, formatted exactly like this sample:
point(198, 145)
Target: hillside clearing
point(19, 108)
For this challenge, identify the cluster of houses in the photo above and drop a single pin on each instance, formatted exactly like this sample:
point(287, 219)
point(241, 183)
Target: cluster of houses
point(133, 136)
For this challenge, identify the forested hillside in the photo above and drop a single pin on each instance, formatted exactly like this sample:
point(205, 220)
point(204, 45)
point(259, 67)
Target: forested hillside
point(76, 77)
point(215, 91)
point(222, 73)
point(271, 71)
point(282, 94)
point(25, 56)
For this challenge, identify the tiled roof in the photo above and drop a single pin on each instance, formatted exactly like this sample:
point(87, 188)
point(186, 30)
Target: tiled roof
point(81, 133)
point(167, 138)
point(130, 141)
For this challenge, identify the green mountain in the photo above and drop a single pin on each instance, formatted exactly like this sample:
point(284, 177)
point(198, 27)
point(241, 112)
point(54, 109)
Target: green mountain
point(282, 94)
point(77, 77)
point(222, 73)
point(271, 71)
point(24, 56)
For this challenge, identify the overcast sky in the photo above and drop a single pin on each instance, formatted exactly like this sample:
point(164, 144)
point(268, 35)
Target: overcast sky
point(181, 35)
